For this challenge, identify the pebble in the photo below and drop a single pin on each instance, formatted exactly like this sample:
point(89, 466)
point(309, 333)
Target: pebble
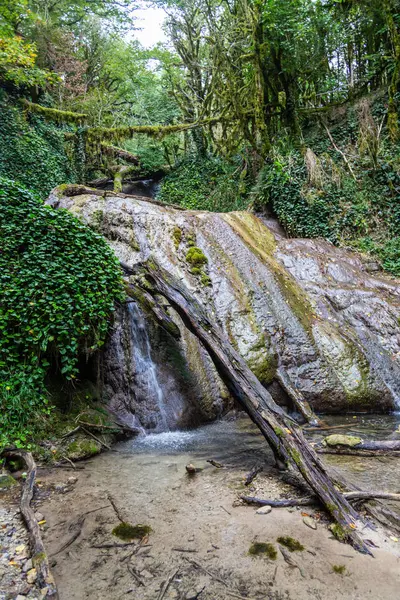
point(72, 480)
point(31, 576)
point(264, 510)
point(27, 566)
point(310, 522)
point(39, 516)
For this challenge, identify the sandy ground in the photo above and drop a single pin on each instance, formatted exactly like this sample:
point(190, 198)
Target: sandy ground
point(202, 516)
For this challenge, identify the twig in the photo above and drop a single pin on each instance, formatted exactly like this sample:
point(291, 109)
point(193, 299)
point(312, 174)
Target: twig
point(250, 477)
point(70, 462)
point(39, 558)
point(166, 585)
point(116, 510)
point(184, 550)
point(216, 464)
point(78, 525)
point(71, 432)
point(340, 152)
point(227, 511)
point(136, 576)
point(115, 545)
point(96, 438)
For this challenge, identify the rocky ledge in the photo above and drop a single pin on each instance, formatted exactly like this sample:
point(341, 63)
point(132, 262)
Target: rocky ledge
point(298, 310)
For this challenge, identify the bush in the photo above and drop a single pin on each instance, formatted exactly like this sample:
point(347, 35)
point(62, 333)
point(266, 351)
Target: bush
point(209, 183)
point(58, 285)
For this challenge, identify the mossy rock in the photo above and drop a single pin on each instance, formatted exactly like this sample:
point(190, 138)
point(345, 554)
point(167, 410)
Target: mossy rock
point(126, 531)
point(7, 482)
point(263, 549)
point(290, 543)
point(342, 440)
point(177, 236)
point(82, 448)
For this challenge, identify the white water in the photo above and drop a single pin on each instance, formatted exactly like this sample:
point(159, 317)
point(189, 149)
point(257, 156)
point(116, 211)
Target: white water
point(145, 369)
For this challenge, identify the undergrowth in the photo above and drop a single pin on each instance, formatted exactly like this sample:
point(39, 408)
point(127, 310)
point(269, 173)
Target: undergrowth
point(318, 196)
point(208, 183)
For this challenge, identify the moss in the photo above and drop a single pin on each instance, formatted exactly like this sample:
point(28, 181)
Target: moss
point(205, 279)
point(126, 531)
point(290, 543)
point(38, 558)
point(191, 239)
point(296, 457)
point(263, 548)
point(196, 271)
point(177, 236)
point(83, 448)
point(278, 431)
point(339, 569)
point(6, 482)
point(196, 257)
point(338, 531)
point(265, 369)
point(60, 116)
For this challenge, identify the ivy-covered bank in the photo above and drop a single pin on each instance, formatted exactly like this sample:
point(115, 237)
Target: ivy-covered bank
point(33, 151)
point(59, 282)
point(343, 186)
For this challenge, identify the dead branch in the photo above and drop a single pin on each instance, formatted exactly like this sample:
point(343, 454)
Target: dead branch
point(39, 556)
point(78, 529)
point(250, 477)
point(115, 507)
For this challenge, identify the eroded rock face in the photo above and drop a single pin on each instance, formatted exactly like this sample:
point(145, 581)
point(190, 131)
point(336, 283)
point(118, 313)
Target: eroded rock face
point(304, 306)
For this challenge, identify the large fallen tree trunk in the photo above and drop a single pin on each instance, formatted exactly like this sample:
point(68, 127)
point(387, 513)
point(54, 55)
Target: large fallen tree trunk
point(39, 556)
point(297, 398)
point(281, 431)
point(351, 445)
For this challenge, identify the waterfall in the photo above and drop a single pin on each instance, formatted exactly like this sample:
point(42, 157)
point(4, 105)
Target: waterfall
point(144, 367)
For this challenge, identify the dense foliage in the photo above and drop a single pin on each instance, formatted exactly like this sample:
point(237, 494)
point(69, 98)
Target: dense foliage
point(206, 183)
point(33, 151)
point(58, 285)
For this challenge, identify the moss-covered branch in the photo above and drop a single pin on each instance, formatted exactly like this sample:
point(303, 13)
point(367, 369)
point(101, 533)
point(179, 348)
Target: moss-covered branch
point(53, 114)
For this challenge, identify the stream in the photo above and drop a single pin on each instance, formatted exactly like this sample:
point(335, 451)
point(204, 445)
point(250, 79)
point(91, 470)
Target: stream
point(200, 532)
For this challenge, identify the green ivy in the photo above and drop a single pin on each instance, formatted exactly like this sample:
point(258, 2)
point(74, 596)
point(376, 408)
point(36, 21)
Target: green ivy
point(209, 183)
point(59, 282)
point(33, 151)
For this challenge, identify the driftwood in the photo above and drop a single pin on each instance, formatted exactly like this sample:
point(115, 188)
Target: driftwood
point(39, 557)
point(308, 500)
point(250, 477)
point(281, 432)
point(364, 448)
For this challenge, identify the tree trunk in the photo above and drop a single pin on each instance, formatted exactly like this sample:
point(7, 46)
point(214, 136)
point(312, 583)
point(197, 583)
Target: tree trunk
point(281, 432)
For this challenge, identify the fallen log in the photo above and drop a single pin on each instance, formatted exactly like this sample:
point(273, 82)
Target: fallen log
point(308, 500)
point(352, 445)
point(40, 560)
point(281, 431)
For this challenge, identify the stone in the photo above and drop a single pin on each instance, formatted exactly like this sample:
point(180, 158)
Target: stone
point(31, 576)
point(310, 522)
point(342, 440)
point(263, 510)
point(72, 480)
point(27, 566)
point(39, 516)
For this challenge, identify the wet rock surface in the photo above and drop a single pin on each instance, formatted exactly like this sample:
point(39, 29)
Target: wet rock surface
point(304, 306)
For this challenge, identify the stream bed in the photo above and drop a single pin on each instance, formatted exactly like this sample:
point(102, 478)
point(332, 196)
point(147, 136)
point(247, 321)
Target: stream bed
point(201, 532)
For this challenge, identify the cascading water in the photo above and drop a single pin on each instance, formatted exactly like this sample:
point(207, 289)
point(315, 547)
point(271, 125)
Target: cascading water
point(145, 369)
